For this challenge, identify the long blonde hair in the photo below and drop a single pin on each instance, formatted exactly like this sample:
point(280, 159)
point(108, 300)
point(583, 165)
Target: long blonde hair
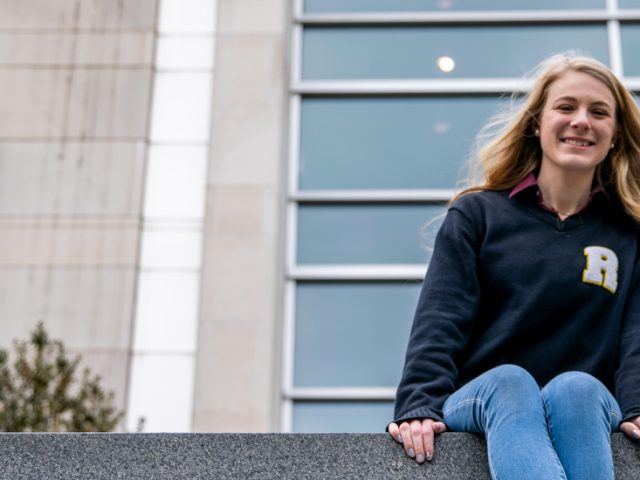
point(515, 151)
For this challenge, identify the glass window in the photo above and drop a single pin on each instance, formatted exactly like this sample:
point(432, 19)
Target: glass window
point(414, 52)
point(371, 233)
point(341, 417)
point(388, 142)
point(352, 334)
point(621, 3)
point(324, 6)
point(630, 38)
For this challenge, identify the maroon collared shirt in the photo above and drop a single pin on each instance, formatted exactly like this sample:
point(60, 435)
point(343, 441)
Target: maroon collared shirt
point(531, 182)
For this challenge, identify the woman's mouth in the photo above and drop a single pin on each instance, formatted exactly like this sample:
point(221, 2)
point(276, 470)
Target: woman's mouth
point(577, 142)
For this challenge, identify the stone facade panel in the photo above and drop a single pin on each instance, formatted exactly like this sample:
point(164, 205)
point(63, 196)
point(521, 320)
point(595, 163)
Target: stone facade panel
point(70, 179)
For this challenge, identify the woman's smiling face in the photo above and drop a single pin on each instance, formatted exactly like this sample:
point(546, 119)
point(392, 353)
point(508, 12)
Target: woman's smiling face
point(577, 123)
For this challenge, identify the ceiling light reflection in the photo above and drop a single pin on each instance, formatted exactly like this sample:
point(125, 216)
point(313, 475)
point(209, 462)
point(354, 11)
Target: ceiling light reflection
point(441, 127)
point(446, 64)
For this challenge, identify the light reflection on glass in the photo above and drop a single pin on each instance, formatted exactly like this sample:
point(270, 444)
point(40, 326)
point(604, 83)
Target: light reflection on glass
point(413, 52)
point(397, 140)
point(441, 127)
point(446, 64)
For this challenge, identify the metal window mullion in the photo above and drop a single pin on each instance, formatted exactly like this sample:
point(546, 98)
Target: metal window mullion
point(298, 8)
point(470, 17)
point(341, 393)
point(286, 417)
point(410, 86)
point(615, 43)
point(318, 196)
point(632, 83)
point(286, 406)
point(295, 105)
point(628, 13)
point(368, 272)
point(497, 86)
point(296, 54)
point(292, 236)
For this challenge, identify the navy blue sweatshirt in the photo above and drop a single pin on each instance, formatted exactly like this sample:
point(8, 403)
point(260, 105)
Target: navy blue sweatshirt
point(509, 283)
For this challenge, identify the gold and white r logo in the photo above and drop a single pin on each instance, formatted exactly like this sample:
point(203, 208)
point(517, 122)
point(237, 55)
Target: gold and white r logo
point(602, 268)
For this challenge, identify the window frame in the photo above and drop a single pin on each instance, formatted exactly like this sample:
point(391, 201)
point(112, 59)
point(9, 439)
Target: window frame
point(298, 88)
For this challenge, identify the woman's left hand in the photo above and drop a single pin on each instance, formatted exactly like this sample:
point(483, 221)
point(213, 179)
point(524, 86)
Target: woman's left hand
point(631, 428)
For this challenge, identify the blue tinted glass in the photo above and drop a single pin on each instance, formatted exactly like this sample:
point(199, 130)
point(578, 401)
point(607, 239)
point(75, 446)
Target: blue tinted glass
point(630, 37)
point(414, 52)
point(352, 334)
point(341, 417)
point(392, 233)
point(317, 6)
point(388, 142)
point(621, 3)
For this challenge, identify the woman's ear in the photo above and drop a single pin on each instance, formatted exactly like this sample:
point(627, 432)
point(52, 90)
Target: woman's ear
point(535, 127)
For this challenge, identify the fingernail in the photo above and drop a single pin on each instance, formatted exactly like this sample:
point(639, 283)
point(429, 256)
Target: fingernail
point(429, 456)
point(399, 439)
point(411, 453)
point(420, 458)
point(635, 434)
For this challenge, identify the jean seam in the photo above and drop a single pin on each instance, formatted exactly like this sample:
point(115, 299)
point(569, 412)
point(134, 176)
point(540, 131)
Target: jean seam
point(548, 415)
point(615, 427)
point(464, 403)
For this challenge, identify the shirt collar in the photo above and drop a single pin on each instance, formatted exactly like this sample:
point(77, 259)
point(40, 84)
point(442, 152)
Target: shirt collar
point(527, 182)
point(531, 182)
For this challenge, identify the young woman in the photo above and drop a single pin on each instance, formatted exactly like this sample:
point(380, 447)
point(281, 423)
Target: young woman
point(528, 324)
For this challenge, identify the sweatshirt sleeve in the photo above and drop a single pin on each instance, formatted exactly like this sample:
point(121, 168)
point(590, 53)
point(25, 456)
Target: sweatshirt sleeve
point(443, 321)
point(627, 381)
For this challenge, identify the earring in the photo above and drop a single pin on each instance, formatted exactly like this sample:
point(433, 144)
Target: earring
point(536, 132)
point(613, 145)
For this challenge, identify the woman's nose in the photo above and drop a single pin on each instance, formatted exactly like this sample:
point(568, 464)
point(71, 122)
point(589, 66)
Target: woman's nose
point(581, 120)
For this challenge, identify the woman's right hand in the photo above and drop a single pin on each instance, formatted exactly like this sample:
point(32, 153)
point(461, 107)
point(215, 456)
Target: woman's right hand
point(417, 437)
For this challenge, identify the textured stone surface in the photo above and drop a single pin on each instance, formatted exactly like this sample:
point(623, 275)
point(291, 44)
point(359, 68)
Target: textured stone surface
point(76, 77)
point(121, 49)
point(250, 456)
point(253, 16)
point(88, 309)
point(92, 180)
point(70, 103)
point(85, 14)
point(68, 243)
point(239, 349)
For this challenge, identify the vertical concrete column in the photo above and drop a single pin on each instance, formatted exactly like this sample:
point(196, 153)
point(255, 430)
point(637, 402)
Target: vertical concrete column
point(161, 386)
point(75, 79)
point(237, 373)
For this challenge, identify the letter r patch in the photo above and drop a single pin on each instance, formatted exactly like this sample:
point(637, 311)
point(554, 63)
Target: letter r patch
point(601, 268)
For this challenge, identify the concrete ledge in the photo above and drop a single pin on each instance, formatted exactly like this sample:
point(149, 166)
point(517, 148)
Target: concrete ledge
point(251, 456)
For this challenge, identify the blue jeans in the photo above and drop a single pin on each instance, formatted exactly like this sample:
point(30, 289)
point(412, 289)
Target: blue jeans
point(560, 432)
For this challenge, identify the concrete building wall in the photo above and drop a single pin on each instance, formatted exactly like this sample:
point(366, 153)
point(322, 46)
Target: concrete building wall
point(237, 373)
point(75, 77)
point(75, 128)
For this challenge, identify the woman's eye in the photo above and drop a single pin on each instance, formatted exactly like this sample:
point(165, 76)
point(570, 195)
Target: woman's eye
point(565, 108)
point(600, 113)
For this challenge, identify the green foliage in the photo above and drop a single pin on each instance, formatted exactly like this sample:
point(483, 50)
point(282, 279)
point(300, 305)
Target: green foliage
point(40, 391)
